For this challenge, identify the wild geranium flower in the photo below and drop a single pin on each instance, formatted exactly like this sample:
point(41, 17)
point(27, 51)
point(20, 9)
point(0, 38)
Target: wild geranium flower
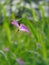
point(20, 61)
point(21, 27)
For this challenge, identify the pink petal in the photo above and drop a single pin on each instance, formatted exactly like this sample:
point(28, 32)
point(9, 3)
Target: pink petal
point(15, 23)
point(24, 28)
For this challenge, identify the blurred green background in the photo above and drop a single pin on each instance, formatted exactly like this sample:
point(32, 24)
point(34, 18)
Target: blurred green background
point(33, 49)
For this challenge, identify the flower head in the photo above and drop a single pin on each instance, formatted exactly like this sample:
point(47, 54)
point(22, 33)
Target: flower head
point(6, 49)
point(20, 61)
point(21, 27)
point(24, 28)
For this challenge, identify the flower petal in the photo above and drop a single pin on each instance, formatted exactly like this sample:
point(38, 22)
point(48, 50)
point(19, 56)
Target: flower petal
point(24, 28)
point(15, 23)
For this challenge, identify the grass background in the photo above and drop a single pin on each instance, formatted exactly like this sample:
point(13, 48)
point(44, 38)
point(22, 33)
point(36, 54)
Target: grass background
point(33, 49)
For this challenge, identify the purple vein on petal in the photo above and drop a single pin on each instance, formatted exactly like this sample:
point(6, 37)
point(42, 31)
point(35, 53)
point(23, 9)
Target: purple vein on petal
point(15, 23)
point(24, 28)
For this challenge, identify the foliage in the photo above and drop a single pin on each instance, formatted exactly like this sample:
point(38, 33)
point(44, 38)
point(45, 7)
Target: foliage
point(33, 49)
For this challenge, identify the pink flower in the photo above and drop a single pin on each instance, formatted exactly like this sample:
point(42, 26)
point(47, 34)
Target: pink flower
point(6, 49)
point(21, 27)
point(20, 61)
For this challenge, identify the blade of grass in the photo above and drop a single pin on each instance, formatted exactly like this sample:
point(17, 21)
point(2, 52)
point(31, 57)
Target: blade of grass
point(43, 16)
point(6, 26)
point(5, 57)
